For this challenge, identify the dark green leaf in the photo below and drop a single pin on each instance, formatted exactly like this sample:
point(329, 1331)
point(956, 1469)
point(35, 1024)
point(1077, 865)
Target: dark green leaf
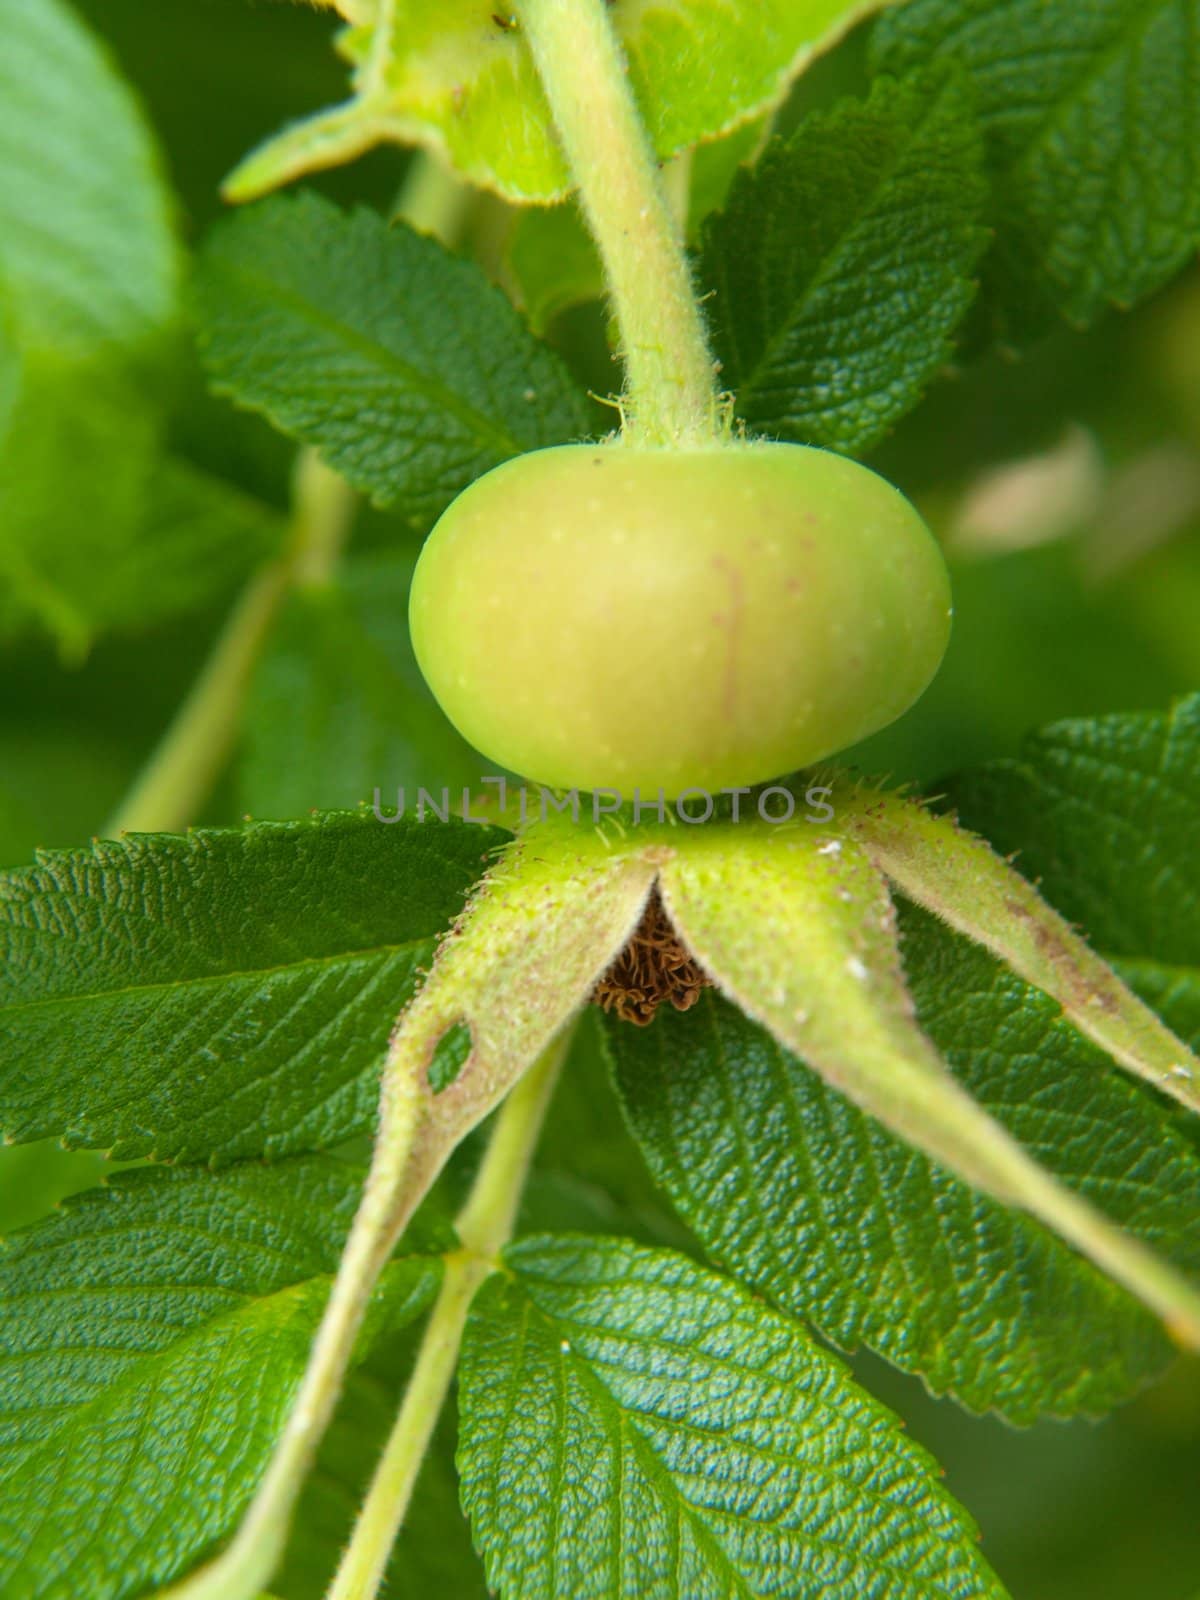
point(636, 1428)
point(1106, 815)
point(1092, 118)
point(339, 709)
point(843, 263)
point(154, 1335)
point(398, 361)
point(807, 1199)
point(224, 994)
point(793, 1189)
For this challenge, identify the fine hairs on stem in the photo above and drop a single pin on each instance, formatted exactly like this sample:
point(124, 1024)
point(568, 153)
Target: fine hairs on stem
point(670, 396)
point(483, 1226)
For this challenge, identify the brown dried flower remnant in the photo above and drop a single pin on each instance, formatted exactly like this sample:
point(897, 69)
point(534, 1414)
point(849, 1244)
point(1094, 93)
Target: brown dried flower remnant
point(653, 969)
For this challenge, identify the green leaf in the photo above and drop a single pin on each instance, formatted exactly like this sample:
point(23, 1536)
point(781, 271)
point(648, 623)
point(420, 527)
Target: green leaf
point(161, 537)
point(1103, 813)
point(224, 994)
point(199, 535)
point(552, 262)
point(86, 247)
point(800, 931)
point(153, 1337)
point(398, 361)
point(843, 262)
point(79, 434)
point(1092, 121)
point(460, 81)
point(808, 1200)
point(635, 1426)
point(34, 1178)
point(338, 708)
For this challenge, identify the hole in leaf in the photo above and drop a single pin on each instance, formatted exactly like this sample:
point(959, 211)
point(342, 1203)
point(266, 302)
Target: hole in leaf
point(654, 969)
point(450, 1052)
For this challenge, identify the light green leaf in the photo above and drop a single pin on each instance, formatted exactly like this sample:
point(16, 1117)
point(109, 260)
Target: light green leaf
point(338, 708)
point(250, 1020)
point(86, 245)
point(552, 262)
point(199, 535)
point(79, 434)
point(844, 261)
point(1093, 122)
point(153, 1337)
point(800, 932)
point(459, 80)
point(396, 360)
point(960, 879)
point(161, 538)
point(636, 1428)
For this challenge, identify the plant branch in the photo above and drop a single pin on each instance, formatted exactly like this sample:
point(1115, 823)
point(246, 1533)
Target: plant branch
point(670, 388)
point(484, 1226)
point(245, 1566)
point(188, 760)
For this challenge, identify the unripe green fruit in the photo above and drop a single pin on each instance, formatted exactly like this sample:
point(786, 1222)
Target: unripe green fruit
point(617, 617)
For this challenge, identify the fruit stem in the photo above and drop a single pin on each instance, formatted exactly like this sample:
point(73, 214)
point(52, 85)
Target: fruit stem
point(670, 394)
point(484, 1227)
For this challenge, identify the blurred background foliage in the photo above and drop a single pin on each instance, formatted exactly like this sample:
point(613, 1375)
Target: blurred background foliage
point(1066, 486)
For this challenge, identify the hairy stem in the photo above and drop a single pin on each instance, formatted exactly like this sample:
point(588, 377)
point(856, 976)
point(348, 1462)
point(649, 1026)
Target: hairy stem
point(245, 1566)
point(484, 1226)
point(668, 368)
point(188, 760)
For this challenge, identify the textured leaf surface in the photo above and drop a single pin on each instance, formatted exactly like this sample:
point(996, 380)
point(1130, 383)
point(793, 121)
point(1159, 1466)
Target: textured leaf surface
point(813, 1203)
point(800, 931)
point(1092, 113)
point(843, 262)
point(339, 708)
point(398, 361)
point(634, 1426)
point(1106, 816)
point(459, 79)
point(86, 250)
point(224, 994)
point(153, 1336)
point(518, 966)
